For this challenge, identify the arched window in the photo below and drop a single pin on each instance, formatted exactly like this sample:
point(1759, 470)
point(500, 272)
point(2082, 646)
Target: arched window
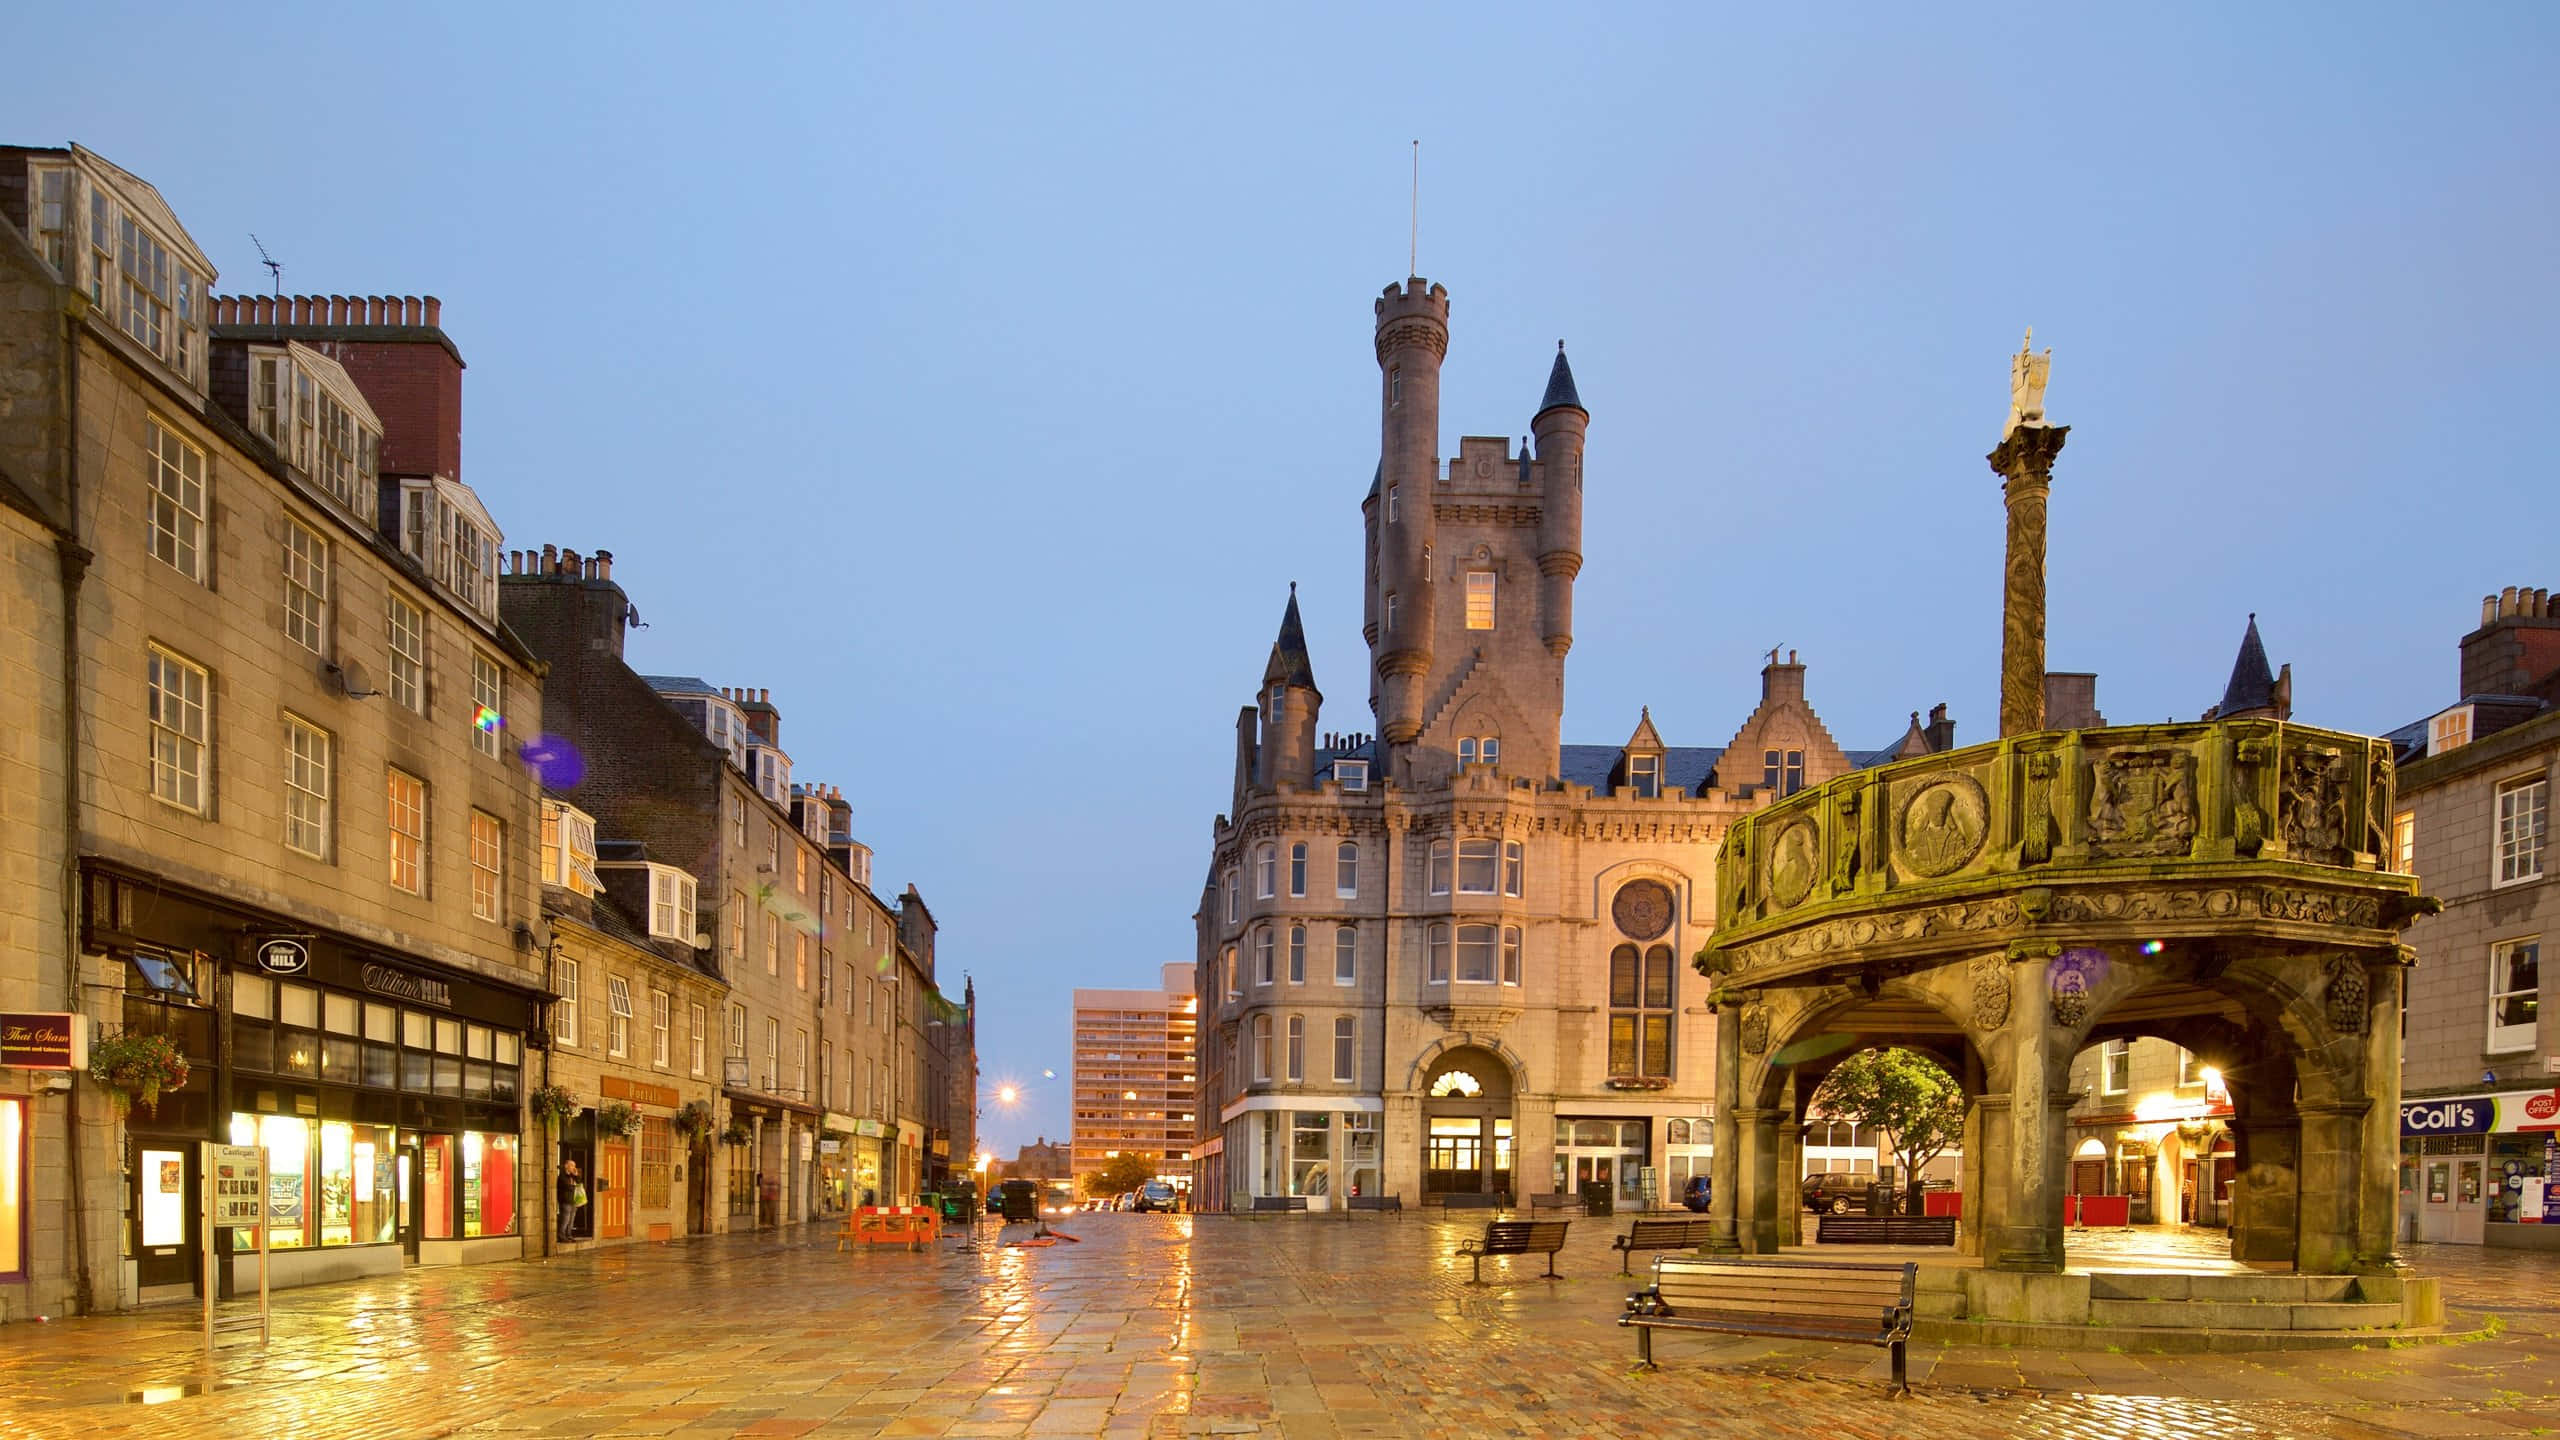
point(1262, 956)
point(1510, 954)
point(1490, 749)
point(1456, 1083)
point(1346, 955)
point(1266, 871)
point(1640, 1012)
point(1467, 750)
point(1298, 869)
point(1261, 1047)
point(1475, 954)
point(1346, 870)
point(1477, 862)
point(1297, 954)
point(1297, 1047)
point(1436, 965)
point(1235, 898)
point(1436, 868)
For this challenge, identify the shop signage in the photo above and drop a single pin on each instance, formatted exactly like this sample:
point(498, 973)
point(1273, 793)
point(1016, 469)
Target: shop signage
point(285, 955)
point(868, 1127)
point(641, 1092)
point(2536, 1112)
point(239, 1183)
point(2468, 1115)
point(384, 980)
point(44, 1040)
point(830, 1147)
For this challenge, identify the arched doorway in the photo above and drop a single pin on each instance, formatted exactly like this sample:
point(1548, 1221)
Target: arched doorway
point(1466, 1126)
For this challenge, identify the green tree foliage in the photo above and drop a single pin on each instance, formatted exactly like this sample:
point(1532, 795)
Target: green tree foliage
point(1123, 1172)
point(1907, 1095)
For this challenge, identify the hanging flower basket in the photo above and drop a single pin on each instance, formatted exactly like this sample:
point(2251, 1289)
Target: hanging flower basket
point(737, 1133)
point(552, 1104)
point(137, 1068)
point(616, 1119)
point(693, 1120)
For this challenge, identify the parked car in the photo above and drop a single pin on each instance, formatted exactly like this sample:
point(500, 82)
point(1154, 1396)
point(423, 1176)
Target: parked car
point(1834, 1192)
point(1700, 1193)
point(1157, 1195)
point(1126, 1200)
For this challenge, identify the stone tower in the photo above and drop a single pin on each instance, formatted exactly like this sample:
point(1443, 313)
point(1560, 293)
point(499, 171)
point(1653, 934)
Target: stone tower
point(1288, 707)
point(1471, 566)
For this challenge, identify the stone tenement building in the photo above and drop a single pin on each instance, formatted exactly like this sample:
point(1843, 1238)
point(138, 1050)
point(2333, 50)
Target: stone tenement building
point(262, 793)
point(1454, 957)
point(2474, 824)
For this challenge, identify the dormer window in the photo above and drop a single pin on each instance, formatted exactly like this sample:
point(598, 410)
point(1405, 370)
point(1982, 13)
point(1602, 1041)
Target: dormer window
point(103, 235)
point(1644, 773)
point(303, 403)
point(671, 902)
point(569, 848)
point(1782, 771)
point(1351, 775)
point(444, 528)
point(2449, 731)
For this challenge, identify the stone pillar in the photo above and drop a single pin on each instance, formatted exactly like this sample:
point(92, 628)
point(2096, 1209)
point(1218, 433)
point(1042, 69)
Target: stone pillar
point(2378, 1173)
point(1790, 1177)
point(2024, 462)
point(2027, 1234)
point(2332, 1168)
point(2268, 1153)
point(1533, 1143)
point(1759, 1221)
point(1400, 1137)
point(1969, 1179)
point(1724, 1205)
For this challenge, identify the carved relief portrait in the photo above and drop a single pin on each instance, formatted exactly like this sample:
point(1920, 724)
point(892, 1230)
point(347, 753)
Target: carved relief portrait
point(1943, 824)
point(1794, 860)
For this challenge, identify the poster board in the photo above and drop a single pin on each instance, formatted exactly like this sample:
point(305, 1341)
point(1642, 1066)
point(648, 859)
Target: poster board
point(239, 1181)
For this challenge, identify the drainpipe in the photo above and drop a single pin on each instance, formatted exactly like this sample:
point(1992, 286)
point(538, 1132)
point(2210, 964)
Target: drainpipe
point(74, 559)
point(550, 1143)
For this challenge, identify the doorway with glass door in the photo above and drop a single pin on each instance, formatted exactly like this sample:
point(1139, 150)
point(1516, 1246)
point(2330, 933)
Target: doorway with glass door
point(165, 1220)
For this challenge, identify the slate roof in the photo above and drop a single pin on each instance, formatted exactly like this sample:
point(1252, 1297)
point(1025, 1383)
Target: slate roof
point(679, 684)
point(1560, 389)
point(2253, 683)
point(1290, 664)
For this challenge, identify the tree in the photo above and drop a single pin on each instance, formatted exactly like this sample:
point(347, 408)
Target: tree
point(1123, 1172)
point(1906, 1095)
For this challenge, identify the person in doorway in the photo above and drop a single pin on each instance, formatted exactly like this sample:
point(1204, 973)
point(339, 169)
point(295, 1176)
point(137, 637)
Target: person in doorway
point(571, 1191)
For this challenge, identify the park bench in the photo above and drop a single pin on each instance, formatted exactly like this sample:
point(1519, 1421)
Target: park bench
point(1279, 1202)
point(1790, 1299)
point(1661, 1235)
point(1516, 1237)
point(1885, 1230)
point(1568, 1204)
point(1473, 1200)
point(1393, 1203)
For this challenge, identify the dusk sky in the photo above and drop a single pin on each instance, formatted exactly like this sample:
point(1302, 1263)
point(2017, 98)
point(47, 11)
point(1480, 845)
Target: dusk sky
point(979, 379)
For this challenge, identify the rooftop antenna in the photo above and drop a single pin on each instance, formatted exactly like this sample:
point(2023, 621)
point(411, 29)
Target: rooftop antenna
point(1413, 237)
point(275, 267)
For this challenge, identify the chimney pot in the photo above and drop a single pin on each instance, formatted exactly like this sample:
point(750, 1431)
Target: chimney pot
point(604, 564)
point(2506, 602)
point(435, 310)
point(550, 559)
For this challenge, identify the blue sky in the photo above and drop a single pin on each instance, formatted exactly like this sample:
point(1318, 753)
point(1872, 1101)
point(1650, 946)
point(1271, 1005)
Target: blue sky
point(978, 379)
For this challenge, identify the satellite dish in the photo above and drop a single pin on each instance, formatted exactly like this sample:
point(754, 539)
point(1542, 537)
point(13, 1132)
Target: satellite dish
point(352, 681)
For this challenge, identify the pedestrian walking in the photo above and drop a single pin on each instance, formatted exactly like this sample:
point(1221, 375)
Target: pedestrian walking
point(572, 1194)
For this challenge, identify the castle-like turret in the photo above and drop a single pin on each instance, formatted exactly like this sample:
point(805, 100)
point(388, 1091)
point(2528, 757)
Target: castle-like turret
point(1560, 426)
point(1289, 704)
point(1412, 338)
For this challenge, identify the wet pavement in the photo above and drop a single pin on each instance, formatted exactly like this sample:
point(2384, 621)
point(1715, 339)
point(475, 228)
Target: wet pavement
point(1301, 1326)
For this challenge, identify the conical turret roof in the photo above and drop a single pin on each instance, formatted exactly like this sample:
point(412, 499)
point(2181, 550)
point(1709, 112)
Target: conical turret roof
point(1560, 389)
point(1289, 662)
point(2253, 682)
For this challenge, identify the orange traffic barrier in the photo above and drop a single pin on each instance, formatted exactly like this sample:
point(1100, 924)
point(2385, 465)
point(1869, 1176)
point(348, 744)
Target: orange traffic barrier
point(914, 1226)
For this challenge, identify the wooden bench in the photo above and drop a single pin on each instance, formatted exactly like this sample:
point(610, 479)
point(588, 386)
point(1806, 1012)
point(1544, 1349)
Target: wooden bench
point(1474, 1200)
point(1516, 1237)
point(1885, 1230)
point(1570, 1204)
point(1661, 1235)
point(1791, 1299)
point(1279, 1202)
point(1394, 1203)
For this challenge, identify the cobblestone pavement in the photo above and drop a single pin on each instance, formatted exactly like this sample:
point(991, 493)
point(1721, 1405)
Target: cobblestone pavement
point(1295, 1326)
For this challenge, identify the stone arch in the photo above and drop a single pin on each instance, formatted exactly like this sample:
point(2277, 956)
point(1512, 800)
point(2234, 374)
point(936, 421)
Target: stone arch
point(1427, 1060)
point(1798, 1014)
point(1691, 896)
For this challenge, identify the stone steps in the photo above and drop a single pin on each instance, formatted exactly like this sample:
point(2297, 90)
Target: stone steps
point(2230, 1289)
point(2242, 1315)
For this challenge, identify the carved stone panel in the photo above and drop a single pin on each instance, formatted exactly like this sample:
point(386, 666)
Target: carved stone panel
point(2070, 977)
point(1795, 858)
point(2311, 806)
point(1990, 993)
point(1642, 909)
point(2142, 802)
point(1755, 1030)
point(2347, 994)
point(1942, 825)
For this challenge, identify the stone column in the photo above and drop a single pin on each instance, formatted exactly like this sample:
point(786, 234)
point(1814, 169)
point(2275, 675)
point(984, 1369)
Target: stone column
point(2028, 1234)
point(1986, 1168)
point(2332, 1168)
point(1724, 1206)
point(1759, 1222)
point(1400, 1138)
point(1790, 1177)
point(2268, 1152)
point(2024, 462)
point(1533, 1143)
point(2378, 1171)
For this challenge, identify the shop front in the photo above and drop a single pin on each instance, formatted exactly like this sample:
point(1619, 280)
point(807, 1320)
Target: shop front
point(2475, 1169)
point(1318, 1155)
point(863, 1162)
point(383, 1089)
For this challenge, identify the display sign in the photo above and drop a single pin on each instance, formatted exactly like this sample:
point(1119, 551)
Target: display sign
point(385, 980)
point(44, 1040)
point(2465, 1115)
point(239, 1180)
point(2536, 1112)
point(284, 955)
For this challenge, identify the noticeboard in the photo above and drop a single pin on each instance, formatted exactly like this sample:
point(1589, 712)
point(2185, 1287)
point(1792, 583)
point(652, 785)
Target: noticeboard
point(239, 1183)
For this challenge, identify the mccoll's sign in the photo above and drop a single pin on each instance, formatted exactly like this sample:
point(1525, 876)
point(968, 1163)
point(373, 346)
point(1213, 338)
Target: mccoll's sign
point(2521, 1110)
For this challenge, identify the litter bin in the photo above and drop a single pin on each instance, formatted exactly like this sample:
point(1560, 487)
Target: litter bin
point(1019, 1200)
point(1596, 1197)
